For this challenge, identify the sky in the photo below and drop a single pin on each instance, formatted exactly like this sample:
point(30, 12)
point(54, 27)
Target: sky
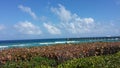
point(38, 19)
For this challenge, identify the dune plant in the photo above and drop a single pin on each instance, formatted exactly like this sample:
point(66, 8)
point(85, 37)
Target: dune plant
point(109, 61)
point(60, 52)
point(36, 62)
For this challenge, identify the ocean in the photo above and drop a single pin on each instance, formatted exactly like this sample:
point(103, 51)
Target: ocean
point(46, 42)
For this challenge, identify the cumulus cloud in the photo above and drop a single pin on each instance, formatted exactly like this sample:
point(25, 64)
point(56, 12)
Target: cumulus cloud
point(2, 27)
point(88, 20)
point(68, 22)
point(28, 28)
point(72, 22)
point(52, 29)
point(28, 10)
point(63, 14)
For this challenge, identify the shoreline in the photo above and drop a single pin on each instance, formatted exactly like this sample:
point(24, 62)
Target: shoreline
point(57, 43)
point(43, 42)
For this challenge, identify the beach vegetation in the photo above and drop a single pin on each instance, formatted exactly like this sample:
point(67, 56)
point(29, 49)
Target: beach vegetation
point(67, 55)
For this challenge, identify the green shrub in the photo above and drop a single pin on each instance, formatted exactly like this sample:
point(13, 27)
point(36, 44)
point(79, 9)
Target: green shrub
point(44, 61)
point(110, 61)
point(36, 62)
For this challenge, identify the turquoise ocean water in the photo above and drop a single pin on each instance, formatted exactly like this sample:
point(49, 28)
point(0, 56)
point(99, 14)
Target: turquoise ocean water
point(43, 42)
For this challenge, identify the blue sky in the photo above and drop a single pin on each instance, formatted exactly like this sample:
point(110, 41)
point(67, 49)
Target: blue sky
point(28, 19)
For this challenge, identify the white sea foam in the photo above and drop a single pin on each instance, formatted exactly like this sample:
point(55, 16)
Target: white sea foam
point(60, 42)
point(19, 45)
point(71, 41)
point(116, 38)
point(3, 46)
point(46, 43)
point(43, 43)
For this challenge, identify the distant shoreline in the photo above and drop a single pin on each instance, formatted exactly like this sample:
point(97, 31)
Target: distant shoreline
point(64, 38)
point(45, 42)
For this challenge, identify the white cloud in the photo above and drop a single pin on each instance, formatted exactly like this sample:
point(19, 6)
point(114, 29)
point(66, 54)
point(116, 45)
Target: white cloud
point(28, 10)
point(72, 22)
point(52, 29)
point(88, 20)
point(2, 27)
point(28, 28)
point(63, 14)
